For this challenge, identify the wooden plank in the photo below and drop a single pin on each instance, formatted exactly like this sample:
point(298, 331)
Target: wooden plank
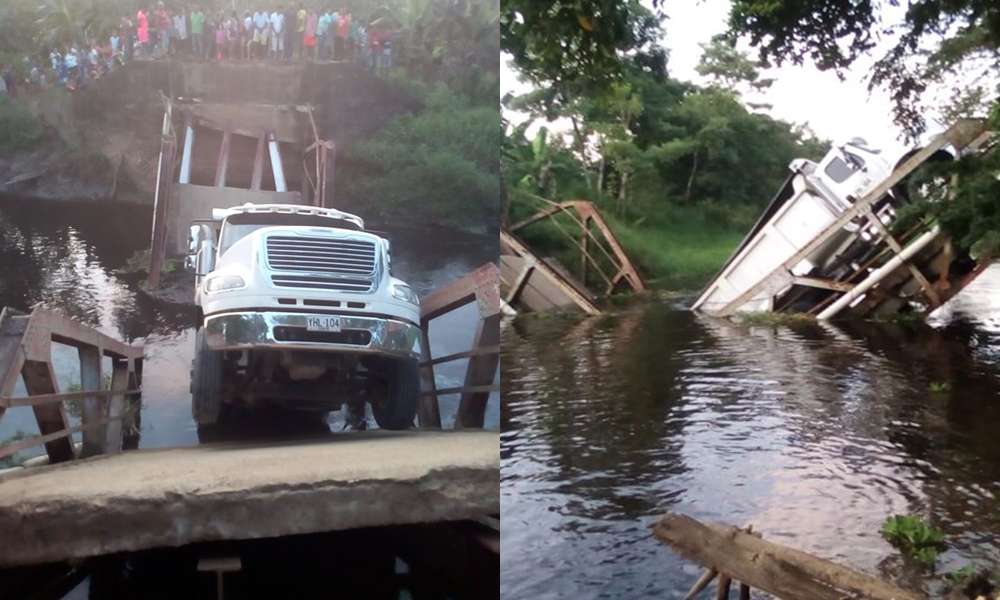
point(47, 325)
point(465, 389)
point(55, 437)
point(460, 355)
point(514, 246)
point(161, 198)
point(538, 216)
point(258, 162)
point(482, 371)
point(824, 284)
point(925, 285)
point(41, 399)
point(39, 378)
point(515, 288)
point(462, 291)
point(778, 570)
point(12, 326)
point(94, 405)
point(781, 276)
point(121, 372)
point(428, 411)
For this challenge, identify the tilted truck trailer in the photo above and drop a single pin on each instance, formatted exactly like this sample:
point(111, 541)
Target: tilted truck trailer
point(825, 243)
point(299, 309)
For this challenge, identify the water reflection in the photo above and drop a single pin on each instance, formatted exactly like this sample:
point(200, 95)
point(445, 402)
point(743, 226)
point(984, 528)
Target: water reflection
point(814, 434)
point(65, 256)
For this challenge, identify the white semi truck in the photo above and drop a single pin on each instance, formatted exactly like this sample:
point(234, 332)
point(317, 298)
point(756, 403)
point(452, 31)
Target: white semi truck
point(299, 309)
point(813, 197)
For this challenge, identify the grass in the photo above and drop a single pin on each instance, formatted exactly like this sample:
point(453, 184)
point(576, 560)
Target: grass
point(678, 253)
point(773, 319)
point(914, 537)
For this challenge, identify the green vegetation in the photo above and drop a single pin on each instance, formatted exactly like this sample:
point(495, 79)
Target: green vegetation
point(442, 160)
point(773, 319)
point(939, 387)
point(914, 538)
point(13, 460)
point(19, 128)
point(680, 170)
point(960, 576)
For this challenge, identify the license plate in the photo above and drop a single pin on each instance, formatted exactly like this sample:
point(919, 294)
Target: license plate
point(330, 323)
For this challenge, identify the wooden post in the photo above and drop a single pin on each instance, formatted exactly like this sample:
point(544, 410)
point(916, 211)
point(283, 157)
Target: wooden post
point(39, 378)
point(481, 372)
point(120, 374)
point(93, 406)
point(428, 411)
point(258, 162)
point(161, 200)
point(222, 165)
point(584, 238)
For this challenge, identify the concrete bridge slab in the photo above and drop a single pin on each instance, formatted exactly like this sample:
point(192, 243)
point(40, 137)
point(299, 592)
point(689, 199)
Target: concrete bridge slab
point(171, 497)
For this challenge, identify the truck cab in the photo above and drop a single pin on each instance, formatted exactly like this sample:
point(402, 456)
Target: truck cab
point(299, 309)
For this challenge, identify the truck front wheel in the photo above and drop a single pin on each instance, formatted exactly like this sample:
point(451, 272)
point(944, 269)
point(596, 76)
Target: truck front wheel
point(396, 405)
point(206, 382)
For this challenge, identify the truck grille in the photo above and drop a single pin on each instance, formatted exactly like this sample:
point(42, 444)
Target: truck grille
point(322, 263)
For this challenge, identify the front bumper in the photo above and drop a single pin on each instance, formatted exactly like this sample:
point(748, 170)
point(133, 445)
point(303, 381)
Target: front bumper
point(287, 331)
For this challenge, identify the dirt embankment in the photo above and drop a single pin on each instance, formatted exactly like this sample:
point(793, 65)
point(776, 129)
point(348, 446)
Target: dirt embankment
point(102, 142)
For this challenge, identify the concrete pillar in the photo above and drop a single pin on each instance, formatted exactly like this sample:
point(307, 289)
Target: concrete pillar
point(276, 166)
point(186, 156)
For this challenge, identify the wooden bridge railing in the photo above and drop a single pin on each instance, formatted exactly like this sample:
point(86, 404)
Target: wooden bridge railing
point(482, 286)
point(26, 351)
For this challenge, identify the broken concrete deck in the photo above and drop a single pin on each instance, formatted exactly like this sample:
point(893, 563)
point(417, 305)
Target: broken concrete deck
point(171, 497)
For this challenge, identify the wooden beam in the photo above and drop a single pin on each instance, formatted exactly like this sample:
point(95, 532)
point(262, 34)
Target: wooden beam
point(483, 283)
point(542, 214)
point(62, 436)
point(515, 287)
point(925, 285)
point(470, 389)
point(161, 198)
point(482, 370)
point(39, 378)
point(824, 284)
point(778, 570)
point(781, 276)
point(460, 355)
point(428, 410)
point(93, 403)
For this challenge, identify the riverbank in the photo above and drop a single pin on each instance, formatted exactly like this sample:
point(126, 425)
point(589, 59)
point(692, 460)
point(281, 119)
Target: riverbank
point(102, 143)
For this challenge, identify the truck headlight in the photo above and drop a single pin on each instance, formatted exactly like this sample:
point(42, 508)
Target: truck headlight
point(405, 293)
point(221, 283)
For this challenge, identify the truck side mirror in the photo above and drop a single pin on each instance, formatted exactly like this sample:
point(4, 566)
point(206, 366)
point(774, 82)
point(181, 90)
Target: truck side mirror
point(194, 244)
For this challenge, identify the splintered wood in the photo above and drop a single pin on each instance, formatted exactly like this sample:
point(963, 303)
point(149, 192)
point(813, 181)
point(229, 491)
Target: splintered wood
point(735, 554)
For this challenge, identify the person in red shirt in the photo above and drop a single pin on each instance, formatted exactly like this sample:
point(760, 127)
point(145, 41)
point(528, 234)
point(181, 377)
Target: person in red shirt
point(163, 26)
point(343, 34)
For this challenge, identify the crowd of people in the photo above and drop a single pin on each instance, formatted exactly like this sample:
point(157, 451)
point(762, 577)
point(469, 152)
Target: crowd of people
point(290, 33)
point(282, 34)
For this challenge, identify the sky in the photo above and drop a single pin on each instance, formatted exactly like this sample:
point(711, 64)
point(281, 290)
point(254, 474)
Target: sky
point(835, 109)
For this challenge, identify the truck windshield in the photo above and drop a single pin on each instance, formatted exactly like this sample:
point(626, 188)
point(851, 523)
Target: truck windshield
point(239, 226)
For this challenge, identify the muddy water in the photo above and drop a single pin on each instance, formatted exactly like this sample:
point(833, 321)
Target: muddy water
point(64, 257)
point(813, 434)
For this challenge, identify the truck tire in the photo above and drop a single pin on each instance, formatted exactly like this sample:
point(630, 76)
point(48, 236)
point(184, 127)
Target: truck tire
point(206, 383)
point(398, 406)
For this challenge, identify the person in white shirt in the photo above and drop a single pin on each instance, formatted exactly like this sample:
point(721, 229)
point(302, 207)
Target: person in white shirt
point(277, 35)
point(180, 28)
point(261, 27)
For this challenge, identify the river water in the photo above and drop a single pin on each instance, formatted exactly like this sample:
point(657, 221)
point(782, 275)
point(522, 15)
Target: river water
point(814, 434)
point(63, 256)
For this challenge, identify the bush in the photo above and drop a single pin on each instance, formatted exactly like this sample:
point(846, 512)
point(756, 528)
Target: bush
point(914, 537)
point(442, 163)
point(19, 128)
